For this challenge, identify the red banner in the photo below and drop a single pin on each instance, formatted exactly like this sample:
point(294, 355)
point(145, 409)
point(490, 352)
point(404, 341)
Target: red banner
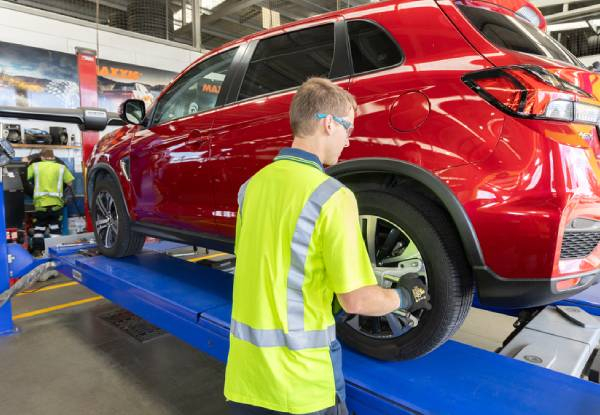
point(88, 91)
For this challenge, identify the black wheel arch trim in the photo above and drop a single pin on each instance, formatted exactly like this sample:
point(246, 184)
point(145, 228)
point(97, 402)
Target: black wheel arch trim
point(107, 168)
point(440, 190)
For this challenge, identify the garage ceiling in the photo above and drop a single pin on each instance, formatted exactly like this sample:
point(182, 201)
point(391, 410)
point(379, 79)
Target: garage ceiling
point(221, 20)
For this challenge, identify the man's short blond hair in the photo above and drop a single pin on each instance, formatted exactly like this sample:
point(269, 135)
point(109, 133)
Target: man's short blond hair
point(318, 95)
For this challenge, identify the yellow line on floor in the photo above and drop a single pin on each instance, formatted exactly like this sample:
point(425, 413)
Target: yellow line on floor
point(56, 307)
point(48, 288)
point(207, 257)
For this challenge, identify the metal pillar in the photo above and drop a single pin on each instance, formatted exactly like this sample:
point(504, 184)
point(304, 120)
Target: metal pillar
point(197, 23)
point(6, 322)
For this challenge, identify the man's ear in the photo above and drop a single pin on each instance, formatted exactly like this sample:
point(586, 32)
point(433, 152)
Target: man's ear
point(328, 124)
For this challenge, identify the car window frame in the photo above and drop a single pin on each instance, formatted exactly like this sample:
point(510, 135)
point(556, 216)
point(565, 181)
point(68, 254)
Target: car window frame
point(389, 35)
point(341, 64)
point(225, 87)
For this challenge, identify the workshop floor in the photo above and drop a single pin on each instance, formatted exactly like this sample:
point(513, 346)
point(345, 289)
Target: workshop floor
point(65, 359)
point(70, 361)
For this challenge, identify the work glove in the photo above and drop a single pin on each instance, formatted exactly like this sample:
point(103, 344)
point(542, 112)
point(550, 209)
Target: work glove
point(413, 293)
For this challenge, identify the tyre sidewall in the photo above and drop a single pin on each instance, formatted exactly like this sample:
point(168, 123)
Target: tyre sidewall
point(435, 325)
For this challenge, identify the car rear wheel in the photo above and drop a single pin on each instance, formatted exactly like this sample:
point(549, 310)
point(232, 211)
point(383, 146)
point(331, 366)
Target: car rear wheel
point(112, 227)
point(410, 232)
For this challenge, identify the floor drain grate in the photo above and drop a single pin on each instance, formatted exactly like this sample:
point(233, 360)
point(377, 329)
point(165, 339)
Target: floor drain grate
point(133, 325)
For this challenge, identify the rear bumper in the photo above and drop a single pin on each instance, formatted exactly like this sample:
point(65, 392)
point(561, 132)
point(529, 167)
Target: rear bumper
point(496, 291)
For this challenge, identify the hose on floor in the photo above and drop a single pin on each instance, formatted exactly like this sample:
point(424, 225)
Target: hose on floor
point(26, 281)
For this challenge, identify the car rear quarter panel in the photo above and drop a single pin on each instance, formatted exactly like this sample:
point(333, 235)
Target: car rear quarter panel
point(521, 198)
point(436, 57)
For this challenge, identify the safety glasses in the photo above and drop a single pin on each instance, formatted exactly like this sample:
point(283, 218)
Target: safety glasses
point(346, 124)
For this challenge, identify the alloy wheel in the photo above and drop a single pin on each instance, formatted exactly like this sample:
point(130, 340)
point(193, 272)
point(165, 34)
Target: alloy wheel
point(391, 252)
point(107, 219)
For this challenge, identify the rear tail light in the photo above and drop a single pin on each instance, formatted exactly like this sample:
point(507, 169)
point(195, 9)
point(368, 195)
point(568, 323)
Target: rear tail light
point(532, 92)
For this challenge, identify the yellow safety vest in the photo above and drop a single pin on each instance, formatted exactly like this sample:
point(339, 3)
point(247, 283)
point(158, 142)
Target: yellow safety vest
point(298, 241)
point(49, 178)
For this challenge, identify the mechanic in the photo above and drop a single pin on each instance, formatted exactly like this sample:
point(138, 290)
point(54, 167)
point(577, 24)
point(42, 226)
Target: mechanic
point(49, 179)
point(298, 242)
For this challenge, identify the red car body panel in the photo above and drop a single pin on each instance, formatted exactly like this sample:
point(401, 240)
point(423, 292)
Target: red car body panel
point(519, 181)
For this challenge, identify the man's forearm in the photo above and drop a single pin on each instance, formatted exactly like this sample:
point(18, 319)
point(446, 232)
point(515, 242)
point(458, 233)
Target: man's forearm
point(370, 301)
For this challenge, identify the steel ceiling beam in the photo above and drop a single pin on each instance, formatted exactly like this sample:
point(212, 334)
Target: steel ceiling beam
point(315, 6)
point(227, 8)
point(573, 14)
point(544, 3)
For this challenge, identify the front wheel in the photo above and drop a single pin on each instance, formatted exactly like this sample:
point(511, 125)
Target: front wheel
point(410, 232)
point(112, 227)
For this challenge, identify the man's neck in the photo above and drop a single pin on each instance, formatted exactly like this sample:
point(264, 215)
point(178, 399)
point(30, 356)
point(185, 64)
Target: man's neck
point(310, 144)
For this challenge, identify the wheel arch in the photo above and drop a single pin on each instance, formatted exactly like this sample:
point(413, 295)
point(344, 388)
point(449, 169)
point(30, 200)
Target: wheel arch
point(426, 183)
point(99, 170)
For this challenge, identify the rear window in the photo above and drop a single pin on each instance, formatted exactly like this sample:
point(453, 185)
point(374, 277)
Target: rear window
point(372, 48)
point(516, 34)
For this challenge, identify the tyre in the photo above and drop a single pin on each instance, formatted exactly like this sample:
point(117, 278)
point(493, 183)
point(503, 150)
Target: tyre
point(59, 135)
point(112, 227)
point(409, 230)
point(13, 136)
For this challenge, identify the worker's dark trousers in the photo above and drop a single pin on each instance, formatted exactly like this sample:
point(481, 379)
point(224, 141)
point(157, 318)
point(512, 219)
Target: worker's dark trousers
point(50, 219)
point(242, 409)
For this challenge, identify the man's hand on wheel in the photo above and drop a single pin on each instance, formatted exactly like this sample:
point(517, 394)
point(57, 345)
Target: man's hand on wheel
point(413, 293)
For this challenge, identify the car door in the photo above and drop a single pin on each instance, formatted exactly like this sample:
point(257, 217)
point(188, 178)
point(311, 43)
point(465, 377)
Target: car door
point(249, 132)
point(170, 179)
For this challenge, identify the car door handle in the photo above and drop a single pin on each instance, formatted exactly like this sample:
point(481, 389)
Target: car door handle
point(196, 137)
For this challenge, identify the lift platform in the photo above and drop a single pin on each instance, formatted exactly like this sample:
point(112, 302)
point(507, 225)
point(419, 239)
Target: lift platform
point(193, 302)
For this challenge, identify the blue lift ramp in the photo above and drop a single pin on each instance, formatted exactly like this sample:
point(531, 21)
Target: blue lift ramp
point(194, 303)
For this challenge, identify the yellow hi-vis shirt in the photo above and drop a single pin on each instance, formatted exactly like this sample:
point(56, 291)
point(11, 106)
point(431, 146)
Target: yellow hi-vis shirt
point(49, 178)
point(298, 241)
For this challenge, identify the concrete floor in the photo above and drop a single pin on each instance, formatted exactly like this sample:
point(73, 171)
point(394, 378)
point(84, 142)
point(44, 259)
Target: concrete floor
point(70, 361)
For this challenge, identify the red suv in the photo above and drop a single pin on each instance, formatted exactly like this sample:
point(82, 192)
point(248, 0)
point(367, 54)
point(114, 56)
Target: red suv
point(475, 158)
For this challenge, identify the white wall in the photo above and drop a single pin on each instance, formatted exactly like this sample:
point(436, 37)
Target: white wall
point(588, 60)
point(28, 27)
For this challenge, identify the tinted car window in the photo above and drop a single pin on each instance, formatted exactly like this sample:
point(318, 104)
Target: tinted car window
point(516, 34)
point(287, 60)
point(196, 91)
point(372, 48)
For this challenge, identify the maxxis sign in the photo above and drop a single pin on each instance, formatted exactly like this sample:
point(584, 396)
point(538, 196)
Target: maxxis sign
point(34, 77)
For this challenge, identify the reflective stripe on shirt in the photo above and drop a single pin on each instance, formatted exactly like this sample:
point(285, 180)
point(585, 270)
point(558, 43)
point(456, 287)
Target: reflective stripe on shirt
point(296, 338)
point(59, 186)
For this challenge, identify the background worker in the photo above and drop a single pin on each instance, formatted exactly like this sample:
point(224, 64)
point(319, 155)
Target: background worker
point(49, 178)
point(298, 243)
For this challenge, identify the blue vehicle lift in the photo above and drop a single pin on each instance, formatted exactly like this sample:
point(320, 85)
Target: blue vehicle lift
point(193, 302)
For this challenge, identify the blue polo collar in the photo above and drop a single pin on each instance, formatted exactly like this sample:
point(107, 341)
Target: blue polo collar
point(300, 156)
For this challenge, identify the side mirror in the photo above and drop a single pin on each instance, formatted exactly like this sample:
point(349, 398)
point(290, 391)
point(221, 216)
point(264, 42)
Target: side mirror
point(133, 111)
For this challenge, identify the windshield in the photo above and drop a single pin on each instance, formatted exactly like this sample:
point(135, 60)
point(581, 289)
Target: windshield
point(516, 34)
